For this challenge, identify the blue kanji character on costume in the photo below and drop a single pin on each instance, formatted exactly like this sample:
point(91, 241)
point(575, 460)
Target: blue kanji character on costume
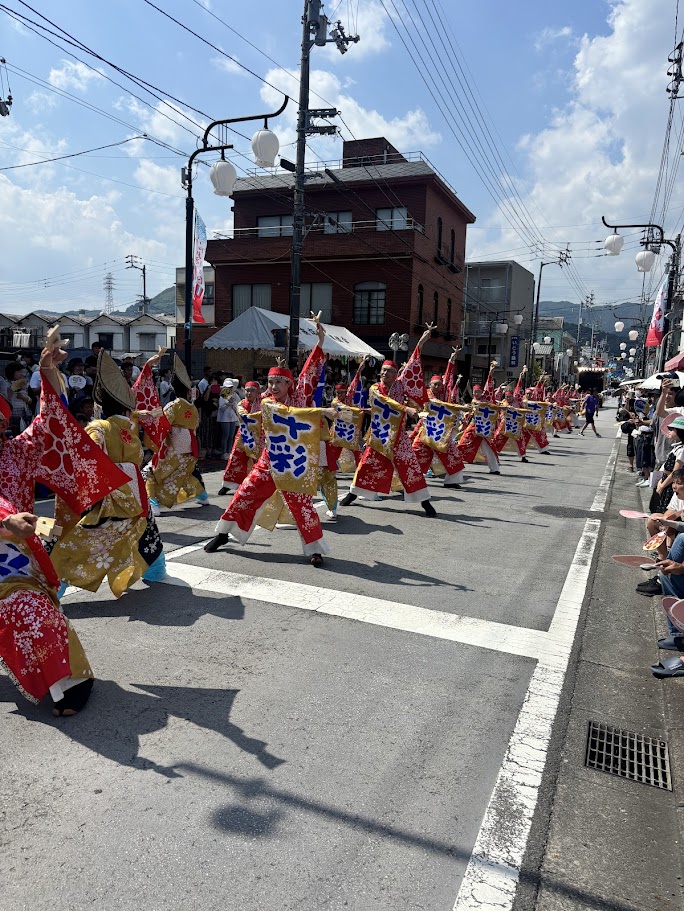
point(291, 422)
point(435, 427)
point(379, 429)
point(285, 458)
point(344, 430)
point(247, 435)
point(13, 562)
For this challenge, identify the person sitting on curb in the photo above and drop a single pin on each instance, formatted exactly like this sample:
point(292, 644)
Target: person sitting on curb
point(672, 583)
point(674, 510)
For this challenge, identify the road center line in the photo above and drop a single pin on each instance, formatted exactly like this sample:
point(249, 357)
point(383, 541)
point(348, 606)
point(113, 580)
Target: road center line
point(492, 874)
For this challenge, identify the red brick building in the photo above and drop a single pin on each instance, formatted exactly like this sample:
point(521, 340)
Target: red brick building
point(383, 251)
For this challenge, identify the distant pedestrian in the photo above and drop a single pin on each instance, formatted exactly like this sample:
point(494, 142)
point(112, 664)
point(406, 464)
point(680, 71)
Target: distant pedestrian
point(589, 406)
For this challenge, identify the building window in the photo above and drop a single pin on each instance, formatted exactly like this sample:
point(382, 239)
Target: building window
point(106, 339)
point(369, 303)
point(147, 341)
point(439, 235)
point(420, 305)
point(435, 308)
point(315, 297)
point(448, 321)
point(337, 223)
point(274, 225)
point(246, 296)
point(485, 349)
point(452, 248)
point(395, 219)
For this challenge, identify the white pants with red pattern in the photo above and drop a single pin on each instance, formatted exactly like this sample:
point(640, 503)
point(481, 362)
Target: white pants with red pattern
point(500, 440)
point(374, 474)
point(243, 513)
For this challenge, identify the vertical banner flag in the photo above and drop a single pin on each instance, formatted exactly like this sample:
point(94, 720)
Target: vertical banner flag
point(515, 351)
point(655, 330)
point(199, 248)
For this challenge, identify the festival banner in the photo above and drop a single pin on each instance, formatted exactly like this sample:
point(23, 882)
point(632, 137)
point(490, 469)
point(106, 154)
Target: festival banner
point(656, 327)
point(293, 442)
point(484, 419)
point(347, 428)
point(436, 427)
point(250, 433)
point(514, 421)
point(199, 247)
point(533, 418)
point(414, 381)
point(156, 426)
point(386, 421)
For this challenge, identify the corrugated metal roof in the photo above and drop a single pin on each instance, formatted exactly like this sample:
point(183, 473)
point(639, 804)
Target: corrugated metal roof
point(370, 173)
point(540, 348)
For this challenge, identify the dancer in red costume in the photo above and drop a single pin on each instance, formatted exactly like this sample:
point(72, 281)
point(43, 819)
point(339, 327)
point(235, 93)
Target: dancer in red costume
point(239, 464)
point(242, 515)
point(390, 447)
point(511, 429)
point(482, 426)
point(440, 389)
point(534, 420)
point(38, 646)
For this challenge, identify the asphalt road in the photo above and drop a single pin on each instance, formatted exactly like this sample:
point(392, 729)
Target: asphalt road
point(265, 735)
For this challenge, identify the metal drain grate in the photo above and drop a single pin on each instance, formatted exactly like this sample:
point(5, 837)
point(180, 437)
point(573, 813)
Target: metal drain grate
point(628, 755)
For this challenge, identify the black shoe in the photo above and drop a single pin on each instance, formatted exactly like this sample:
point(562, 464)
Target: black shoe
point(429, 509)
point(316, 560)
point(348, 499)
point(453, 486)
point(74, 699)
point(218, 541)
point(495, 472)
point(223, 491)
point(523, 459)
point(650, 587)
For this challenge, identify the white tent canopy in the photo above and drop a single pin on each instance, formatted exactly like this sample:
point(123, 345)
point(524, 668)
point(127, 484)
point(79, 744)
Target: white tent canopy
point(653, 384)
point(254, 328)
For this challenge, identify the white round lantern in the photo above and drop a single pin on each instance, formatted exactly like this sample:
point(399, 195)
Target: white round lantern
point(631, 360)
point(619, 326)
point(517, 319)
point(644, 260)
point(547, 339)
point(223, 176)
point(623, 345)
point(576, 363)
point(633, 335)
point(632, 351)
point(265, 146)
point(613, 244)
point(568, 351)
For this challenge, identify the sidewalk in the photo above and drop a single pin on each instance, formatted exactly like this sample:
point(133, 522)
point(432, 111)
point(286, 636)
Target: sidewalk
point(613, 844)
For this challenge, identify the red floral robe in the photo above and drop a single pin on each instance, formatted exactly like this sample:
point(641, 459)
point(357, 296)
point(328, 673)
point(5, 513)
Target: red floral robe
point(38, 646)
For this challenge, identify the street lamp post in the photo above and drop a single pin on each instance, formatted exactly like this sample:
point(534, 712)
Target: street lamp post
point(219, 176)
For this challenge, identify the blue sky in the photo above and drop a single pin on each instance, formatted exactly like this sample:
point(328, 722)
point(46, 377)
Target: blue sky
point(573, 96)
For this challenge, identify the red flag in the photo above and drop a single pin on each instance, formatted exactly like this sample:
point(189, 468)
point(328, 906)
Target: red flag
point(72, 465)
point(148, 400)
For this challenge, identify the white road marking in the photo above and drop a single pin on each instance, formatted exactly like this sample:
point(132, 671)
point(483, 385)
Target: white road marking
point(513, 640)
point(491, 877)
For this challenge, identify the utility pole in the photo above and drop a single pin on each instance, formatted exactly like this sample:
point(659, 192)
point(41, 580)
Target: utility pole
point(314, 32)
point(130, 264)
point(563, 258)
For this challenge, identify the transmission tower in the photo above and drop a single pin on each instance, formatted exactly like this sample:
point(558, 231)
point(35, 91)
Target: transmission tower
point(108, 285)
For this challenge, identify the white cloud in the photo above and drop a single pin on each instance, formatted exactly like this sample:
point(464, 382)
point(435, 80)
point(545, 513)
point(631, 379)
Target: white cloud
point(39, 101)
point(550, 35)
point(226, 65)
point(166, 121)
point(371, 26)
point(73, 76)
point(152, 176)
point(599, 154)
point(407, 131)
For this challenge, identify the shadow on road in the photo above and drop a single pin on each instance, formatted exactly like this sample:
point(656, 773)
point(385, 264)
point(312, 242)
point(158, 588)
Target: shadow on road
point(115, 719)
point(136, 605)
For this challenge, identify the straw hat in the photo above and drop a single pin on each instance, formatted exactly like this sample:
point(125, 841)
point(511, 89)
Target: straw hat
point(111, 381)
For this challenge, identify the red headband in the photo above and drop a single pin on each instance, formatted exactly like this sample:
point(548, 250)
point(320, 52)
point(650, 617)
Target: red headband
point(281, 371)
point(341, 388)
point(436, 379)
point(252, 385)
point(479, 388)
point(391, 364)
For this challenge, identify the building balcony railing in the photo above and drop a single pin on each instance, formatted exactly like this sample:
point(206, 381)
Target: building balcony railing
point(325, 228)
